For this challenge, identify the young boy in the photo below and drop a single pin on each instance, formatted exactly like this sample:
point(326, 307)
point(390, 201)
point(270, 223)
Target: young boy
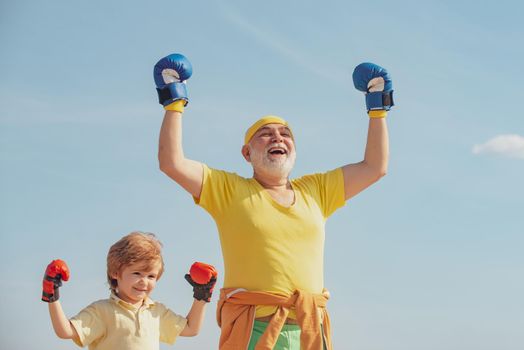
point(129, 319)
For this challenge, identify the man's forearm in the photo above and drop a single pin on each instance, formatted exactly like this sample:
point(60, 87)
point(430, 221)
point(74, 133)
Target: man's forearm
point(186, 172)
point(170, 144)
point(377, 147)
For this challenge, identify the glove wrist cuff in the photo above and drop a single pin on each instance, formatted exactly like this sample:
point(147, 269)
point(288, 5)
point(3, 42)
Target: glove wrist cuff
point(203, 295)
point(379, 100)
point(202, 291)
point(51, 298)
point(171, 93)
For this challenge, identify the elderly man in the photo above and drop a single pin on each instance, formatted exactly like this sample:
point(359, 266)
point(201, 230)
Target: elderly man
point(271, 227)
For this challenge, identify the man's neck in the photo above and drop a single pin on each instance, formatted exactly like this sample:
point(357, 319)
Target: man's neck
point(272, 182)
point(279, 188)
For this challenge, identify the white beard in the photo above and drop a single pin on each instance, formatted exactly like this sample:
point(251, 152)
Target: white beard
point(280, 166)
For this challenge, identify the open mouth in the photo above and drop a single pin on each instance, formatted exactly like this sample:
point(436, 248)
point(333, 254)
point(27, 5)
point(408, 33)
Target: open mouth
point(277, 151)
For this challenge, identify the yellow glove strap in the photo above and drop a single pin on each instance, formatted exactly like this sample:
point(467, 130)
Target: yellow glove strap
point(378, 113)
point(177, 106)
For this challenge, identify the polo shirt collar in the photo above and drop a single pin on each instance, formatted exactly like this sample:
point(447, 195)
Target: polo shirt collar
point(148, 302)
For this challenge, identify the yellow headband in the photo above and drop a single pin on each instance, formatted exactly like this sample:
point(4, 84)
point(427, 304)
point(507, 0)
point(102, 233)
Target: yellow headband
point(268, 119)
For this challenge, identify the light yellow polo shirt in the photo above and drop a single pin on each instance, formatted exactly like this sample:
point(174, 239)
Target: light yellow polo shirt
point(113, 324)
point(268, 247)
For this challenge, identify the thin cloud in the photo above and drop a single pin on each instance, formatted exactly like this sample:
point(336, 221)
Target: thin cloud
point(511, 146)
point(276, 43)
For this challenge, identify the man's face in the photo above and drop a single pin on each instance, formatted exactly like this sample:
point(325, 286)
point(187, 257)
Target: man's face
point(136, 282)
point(272, 150)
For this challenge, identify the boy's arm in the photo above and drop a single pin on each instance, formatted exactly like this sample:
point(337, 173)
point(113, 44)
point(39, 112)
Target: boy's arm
point(203, 278)
point(376, 83)
point(56, 272)
point(61, 324)
point(170, 74)
point(195, 318)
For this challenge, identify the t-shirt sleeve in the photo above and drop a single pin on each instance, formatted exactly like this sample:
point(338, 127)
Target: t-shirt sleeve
point(217, 190)
point(337, 194)
point(328, 190)
point(88, 325)
point(171, 325)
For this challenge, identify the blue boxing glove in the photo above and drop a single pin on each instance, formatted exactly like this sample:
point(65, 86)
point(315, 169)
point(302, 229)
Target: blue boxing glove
point(170, 74)
point(376, 83)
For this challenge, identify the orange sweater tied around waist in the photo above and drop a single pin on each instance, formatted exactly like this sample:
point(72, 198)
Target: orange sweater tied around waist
point(236, 316)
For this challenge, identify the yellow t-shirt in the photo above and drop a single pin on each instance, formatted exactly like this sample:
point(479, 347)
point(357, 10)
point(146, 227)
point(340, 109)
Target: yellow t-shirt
point(113, 324)
point(267, 246)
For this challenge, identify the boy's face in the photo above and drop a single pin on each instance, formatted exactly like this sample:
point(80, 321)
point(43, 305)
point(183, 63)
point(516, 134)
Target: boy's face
point(136, 282)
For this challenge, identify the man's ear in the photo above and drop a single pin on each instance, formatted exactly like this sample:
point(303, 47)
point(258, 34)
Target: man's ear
point(245, 153)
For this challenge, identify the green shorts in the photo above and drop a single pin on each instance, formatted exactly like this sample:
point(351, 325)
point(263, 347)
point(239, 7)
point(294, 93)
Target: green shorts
point(289, 338)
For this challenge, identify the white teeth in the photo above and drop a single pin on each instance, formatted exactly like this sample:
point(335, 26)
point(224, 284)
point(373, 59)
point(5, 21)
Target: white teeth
point(276, 149)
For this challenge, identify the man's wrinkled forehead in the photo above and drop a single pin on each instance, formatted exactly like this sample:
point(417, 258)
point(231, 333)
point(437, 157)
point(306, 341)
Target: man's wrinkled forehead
point(267, 127)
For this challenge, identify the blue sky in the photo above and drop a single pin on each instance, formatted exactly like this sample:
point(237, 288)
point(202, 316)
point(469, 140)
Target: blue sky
point(428, 258)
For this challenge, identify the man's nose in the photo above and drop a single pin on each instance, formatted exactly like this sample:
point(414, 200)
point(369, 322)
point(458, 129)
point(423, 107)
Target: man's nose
point(277, 137)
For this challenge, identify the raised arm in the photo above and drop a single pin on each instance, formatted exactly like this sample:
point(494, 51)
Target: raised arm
point(186, 172)
point(61, 324)
point(55, 272)
point(375, 82)
point(359, 176)
point(203, 278)
point(170, 75)
point(195, 319)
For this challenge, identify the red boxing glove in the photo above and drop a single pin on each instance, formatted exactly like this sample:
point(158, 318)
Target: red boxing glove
point(55, 272)
point(202, 273)
point(203, 278)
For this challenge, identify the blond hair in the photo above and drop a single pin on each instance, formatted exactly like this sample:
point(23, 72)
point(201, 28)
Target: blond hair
point(136, 247)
